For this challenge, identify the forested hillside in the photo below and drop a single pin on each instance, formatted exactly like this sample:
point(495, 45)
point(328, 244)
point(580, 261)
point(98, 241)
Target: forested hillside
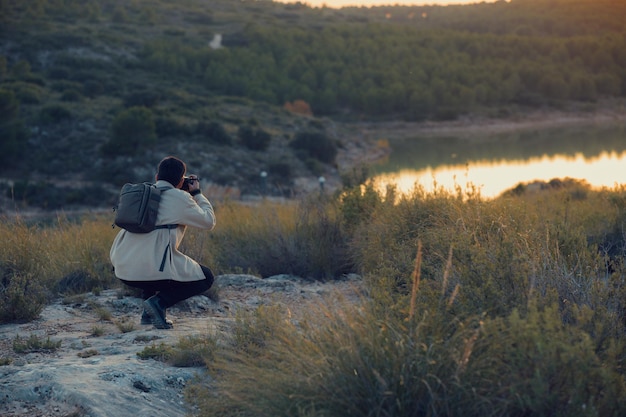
point(99, 90)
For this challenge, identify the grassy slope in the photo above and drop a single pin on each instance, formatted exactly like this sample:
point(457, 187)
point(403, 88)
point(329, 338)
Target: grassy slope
point(99, 45)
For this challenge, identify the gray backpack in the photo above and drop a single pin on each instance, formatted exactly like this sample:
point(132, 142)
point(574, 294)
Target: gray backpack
point(137, 208)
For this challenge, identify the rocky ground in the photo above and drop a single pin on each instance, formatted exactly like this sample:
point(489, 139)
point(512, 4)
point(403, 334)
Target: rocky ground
point(96, 371)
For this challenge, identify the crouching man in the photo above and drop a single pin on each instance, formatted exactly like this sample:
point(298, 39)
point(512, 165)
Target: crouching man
point(151, 261)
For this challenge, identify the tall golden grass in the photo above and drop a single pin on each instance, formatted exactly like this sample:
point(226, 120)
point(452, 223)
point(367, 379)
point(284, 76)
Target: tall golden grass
point(39, 261)
point(514, 306)
point(506, 307)
point(304, 239)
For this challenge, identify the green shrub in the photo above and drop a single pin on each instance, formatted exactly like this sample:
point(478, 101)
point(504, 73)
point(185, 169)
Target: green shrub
point(344, 359)
point(92, 88)
point(160, 352)
point(125, 326)
point(102, 313)
point(359, 203)
point(213, 132)
point(21, 69)
point(22, 297)
point(132, 131)
point(97, 331)
point(88, 353)
point(42, 195)
point(166, 126)
point(27, 93)
point(77, 282)
point(59, 73)
point(256, 140)
point(414, 355)
point(53, 114)
point(65, 85)
point(3, 67)
point(316, 145)
point(253, 331)
point(306, 240)
point(280, 172)
point(49, 253)
point(35, 344)
point(145, 98)
point(71, 96)
point(535, 365)
point(189, 351)
point(316, 167)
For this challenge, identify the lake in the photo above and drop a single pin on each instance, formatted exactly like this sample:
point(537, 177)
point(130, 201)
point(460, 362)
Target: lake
point(498, 162)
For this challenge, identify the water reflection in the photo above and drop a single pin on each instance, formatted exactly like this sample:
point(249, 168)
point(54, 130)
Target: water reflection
point(494, 178)
point(498, 163)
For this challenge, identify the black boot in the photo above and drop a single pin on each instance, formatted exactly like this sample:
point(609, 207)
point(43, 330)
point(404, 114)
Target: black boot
point(146, 318)
point(155, 309)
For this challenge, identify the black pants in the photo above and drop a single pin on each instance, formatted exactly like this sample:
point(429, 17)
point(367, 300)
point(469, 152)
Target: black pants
point(170, 291)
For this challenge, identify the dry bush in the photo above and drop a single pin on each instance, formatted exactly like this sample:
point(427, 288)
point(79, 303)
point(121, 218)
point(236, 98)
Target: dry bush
point(299, 107)
point(22, 298)
point(38, 261)
point(414, 358)
point(509, 309)
point(304, 239)
point(61, 249)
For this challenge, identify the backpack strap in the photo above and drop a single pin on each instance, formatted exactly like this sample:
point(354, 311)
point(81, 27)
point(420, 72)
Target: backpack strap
point(166, 226)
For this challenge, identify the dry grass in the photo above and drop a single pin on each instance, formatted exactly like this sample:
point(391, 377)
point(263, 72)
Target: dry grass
point(304, 239)
point(499, 308)
point(506, 307)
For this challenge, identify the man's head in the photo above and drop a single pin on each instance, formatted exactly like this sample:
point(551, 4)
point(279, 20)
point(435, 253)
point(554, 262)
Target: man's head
point(172, 170)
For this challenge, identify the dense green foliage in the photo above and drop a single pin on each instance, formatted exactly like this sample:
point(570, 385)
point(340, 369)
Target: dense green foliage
point(381, 69)
point(69, 70)
point(419, 62)
point(132, 129)
point(254, 139)
point(315, 145)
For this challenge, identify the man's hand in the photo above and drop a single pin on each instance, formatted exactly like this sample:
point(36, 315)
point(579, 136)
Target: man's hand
point(194, 183)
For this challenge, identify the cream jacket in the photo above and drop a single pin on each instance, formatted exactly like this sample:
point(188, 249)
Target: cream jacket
point(155, 256)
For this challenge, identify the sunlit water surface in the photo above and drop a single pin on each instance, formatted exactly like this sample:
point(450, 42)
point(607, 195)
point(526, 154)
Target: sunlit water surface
point(491, 179)
point(500, 163)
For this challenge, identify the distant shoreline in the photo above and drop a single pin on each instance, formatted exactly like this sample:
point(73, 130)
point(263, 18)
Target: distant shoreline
point(366, 143)
point(606, 112)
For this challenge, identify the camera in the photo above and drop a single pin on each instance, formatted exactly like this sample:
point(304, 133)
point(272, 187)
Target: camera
point(187, 181)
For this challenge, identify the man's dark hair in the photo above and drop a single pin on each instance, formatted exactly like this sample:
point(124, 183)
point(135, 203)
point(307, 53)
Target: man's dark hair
point(172, 170)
